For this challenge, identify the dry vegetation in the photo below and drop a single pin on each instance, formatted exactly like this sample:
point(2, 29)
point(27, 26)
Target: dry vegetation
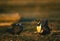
point(29, 35)
point(27, 8)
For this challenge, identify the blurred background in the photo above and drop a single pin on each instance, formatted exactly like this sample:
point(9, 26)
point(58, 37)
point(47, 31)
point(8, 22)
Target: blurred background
point(30, 9)
point(15, 10)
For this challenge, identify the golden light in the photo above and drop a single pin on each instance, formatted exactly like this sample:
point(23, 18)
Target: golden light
point(9, 19)
point(39, 29)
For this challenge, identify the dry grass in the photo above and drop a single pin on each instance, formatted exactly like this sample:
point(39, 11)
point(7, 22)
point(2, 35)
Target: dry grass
point(29, 35)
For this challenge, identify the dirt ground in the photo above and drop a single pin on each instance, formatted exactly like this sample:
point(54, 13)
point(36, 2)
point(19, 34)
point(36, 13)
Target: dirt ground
point(28, 34)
